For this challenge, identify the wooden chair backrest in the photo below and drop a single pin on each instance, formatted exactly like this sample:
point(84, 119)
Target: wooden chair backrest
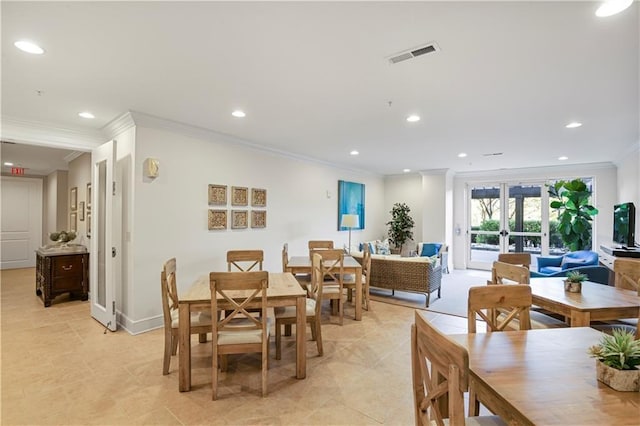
point(522, 259)
point(627, 274)
point(285, 257)
point(512, 273)
point(239, 291)
point(319, 245)
point(440, 372)
point(366, 262)
point(514, 299)
point(240, 258)
point(332, 265)
point(169, 290)
point(315, 289)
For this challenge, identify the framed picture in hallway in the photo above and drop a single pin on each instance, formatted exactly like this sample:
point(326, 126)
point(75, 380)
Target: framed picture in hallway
point(350, 201)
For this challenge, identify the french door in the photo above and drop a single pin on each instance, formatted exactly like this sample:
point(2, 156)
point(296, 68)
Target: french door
point(105, 239)
point(506, 217)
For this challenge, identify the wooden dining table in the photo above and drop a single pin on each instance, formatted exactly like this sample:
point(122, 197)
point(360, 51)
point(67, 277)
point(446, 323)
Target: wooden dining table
point(596, 302)
point(545, 377)
point(302, 265)
point(283, 290)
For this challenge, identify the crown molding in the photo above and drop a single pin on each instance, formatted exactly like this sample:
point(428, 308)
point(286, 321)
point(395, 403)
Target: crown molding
point(118, 125)
point(47, 134)
point(629, 151)
point(541, 171)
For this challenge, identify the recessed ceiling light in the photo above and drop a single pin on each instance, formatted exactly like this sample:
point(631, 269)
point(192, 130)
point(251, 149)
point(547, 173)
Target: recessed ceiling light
point(563, 158)
point(611, 7)
point(86, 114)
point(406, 170)
point(462, 155)
point(573, 125)
point(354, 152)
point(239, 114)
point(29, 47)
point(8, 164)
point(413, 118)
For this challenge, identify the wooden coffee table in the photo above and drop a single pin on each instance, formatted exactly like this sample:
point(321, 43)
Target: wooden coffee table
point(596, 302)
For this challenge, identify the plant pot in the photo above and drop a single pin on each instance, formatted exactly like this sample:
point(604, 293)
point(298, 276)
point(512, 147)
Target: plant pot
point(572, 287)
point(620, 380)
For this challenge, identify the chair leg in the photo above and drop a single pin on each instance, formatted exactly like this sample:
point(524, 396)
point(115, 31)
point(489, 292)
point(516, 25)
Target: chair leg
point(214, 375)
point(474, 404)
point(224, 362)
point(287, 329)
point(168, 339)
point(428, 297)
point(314, 334)
point(265, 367)
point(318, 332)
point(174, 344)
point(278, 340)
point(341, 310)
point(202, 337)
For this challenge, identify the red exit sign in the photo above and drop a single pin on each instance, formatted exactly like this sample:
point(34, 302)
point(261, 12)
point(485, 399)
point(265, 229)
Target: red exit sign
point(18, 171)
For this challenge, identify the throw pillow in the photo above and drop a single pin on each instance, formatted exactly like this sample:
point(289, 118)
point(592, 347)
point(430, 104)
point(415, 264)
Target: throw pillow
point(382, 247)
point(430, 249)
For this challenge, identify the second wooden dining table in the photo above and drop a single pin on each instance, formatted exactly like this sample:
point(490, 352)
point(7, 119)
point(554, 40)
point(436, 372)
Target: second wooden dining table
point(283, 290)
point(302, 265)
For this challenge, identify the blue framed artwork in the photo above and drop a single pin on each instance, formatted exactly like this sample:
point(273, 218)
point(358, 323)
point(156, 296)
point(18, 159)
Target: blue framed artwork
point(350, 201)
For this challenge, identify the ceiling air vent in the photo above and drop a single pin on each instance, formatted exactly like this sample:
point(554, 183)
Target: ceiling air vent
point(414, 53)
point(492, 154)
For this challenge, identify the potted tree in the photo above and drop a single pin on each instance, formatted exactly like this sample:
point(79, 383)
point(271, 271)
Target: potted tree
point(574, 213)
point(400, 226)
point(618, 356)
point(573, 282)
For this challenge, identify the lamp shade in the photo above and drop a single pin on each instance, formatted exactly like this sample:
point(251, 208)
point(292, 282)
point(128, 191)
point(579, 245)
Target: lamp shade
point(350, 221)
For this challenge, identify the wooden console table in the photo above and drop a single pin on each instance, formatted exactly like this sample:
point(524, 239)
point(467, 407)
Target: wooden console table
point(62, 270)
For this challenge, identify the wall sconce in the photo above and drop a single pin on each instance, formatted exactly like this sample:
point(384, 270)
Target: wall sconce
point(151, 168)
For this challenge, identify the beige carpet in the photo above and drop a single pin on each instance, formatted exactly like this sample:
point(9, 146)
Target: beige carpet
point(453, 300)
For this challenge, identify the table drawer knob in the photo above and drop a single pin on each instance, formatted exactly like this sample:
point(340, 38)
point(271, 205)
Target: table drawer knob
point(67, 268)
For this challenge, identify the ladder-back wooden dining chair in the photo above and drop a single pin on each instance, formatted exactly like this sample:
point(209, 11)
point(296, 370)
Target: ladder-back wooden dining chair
point(522, 259)
point(244, 260)
point(333, 279)
point(440, 373)
point(286, 315)
point(238, 331)
point(319, 245)
point(200, 321)
point(506, 273)
point(514, 301)
point(350, 284)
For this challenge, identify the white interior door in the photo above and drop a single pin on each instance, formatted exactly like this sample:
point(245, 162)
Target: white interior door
point(104, 235)
point(21, 213)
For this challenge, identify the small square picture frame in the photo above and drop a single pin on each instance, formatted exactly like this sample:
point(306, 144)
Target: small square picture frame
point(258, 197)
point(239, 196)
point(217, 220)
point(258, 219)
point(218, 195)
point(239, 219)
point(81, 211)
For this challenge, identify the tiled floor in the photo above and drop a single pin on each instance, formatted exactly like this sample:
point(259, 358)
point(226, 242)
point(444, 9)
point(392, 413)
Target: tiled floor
point(58, 367)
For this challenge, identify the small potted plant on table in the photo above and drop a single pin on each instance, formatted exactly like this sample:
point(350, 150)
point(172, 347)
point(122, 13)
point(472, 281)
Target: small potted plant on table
point(618, 356)
point(573, 282)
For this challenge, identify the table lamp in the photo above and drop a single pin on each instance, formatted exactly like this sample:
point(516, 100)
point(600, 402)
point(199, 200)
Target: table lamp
point(350, 221)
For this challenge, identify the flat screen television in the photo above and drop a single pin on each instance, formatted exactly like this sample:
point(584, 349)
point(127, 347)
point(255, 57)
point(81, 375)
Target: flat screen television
point(624, 224)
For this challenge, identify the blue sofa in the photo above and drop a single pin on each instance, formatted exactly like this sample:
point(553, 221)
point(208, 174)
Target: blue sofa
point(553, 264)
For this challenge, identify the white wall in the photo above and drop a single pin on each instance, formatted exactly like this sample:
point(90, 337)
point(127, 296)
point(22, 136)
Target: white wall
point(56, 203)
point(629, 182)
point(170, 212)
point(604, 198)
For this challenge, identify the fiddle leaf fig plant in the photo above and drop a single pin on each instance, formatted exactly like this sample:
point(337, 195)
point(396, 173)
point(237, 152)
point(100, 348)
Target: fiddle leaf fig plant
point(575, 214)
point(401, 225)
